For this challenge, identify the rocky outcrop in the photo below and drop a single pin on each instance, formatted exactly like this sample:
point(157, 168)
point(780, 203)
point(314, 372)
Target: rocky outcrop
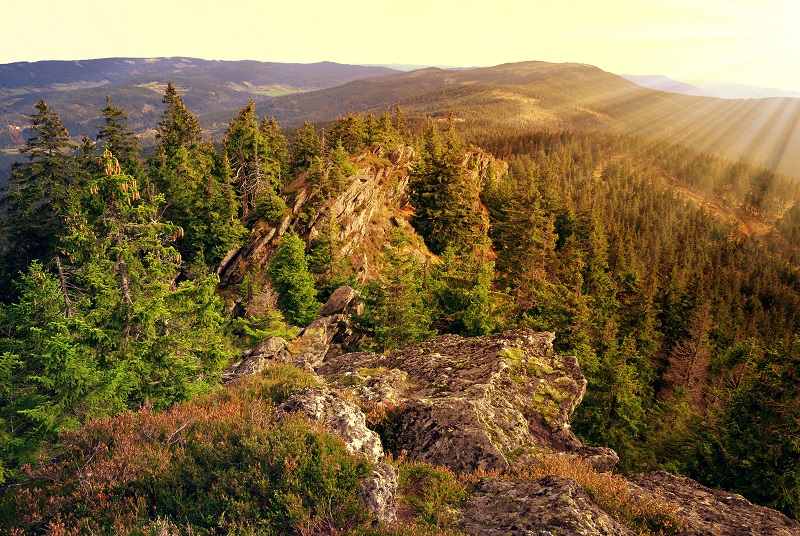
point(483, 403)
point(380, 183)
point(378, 491)
point(329, 333)
point(256, 359)
point(546, 506)
point(256, 252)
point(340, 417)
point(322, 338)
point(478, 403)
point(709, 511)
point(346, 421)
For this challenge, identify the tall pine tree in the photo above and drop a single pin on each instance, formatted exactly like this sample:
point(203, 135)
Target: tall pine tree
point(196, 185)
point(36, 199)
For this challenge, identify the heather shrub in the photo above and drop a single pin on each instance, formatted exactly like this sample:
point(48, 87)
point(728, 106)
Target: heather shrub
point(431, 495)
point(218, 465)
point(611, 493)
point(281, 380)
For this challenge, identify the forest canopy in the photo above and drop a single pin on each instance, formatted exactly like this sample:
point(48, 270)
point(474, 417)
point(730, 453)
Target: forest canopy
point(671, 274)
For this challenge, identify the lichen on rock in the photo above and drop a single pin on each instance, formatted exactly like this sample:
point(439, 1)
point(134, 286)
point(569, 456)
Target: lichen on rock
point(473, 403)
point(550, 505)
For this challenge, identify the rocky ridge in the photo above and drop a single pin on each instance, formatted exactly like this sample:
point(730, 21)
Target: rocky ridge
point(371, 202)
point(488, 404)
point(380, 183)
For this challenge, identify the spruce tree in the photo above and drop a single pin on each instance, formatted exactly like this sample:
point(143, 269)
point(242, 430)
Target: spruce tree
point(442, 195)
point(51, 377)
point(196, 186)
point(381, 131)
point(120, 254)
point(751, 443)
point(177, 126)
point(117, 137)
point(351, 131)
point(36, 198)
point(305, 148)
point(398, 308)
point(277, 148)
point(462, 285)
point(291, 278)
point(257, 155)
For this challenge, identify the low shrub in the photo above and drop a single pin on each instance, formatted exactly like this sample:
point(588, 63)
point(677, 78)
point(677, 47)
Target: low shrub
point(217, 465)
point(611, 493)
point(431, 494)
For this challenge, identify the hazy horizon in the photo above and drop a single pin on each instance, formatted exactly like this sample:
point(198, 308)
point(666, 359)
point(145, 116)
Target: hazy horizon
point(738, 41)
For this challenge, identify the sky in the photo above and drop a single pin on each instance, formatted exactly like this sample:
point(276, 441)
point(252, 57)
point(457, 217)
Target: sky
point(744, 41)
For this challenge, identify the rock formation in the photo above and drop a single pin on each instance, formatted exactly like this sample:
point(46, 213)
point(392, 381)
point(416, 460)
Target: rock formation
point(379, 184)
point(478, 403)
point(482, 403)
point(550, 505)
point(710, 511)
point(338, 416)
point(346, 420)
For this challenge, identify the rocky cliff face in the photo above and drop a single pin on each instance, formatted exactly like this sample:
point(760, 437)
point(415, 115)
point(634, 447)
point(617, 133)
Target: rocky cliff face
point(362, 212)
point(487, 404)
point(370, 203)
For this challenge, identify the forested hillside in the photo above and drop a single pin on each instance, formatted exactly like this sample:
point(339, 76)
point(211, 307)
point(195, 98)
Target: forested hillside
point(77, 89)
point(546, 96)
point(129, 283)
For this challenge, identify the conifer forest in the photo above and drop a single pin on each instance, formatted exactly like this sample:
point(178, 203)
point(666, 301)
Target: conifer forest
point(131, 280)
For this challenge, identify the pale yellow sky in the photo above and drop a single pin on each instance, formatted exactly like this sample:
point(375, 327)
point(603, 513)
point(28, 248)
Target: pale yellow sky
point(747, 41)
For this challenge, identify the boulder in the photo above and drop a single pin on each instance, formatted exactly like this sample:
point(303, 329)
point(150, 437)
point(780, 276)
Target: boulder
point(311, 346)
point(256, 358)
point(477, 403)
point(344, 300)
point(601, 459)
point(377, 493)
point(326, 335)
point(551, 505)
point(710, 511)
point(338, 416)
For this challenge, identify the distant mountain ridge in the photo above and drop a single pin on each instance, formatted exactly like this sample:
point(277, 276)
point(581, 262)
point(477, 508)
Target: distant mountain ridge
point(54, 75)
point(663, 83)
point(563, 96)
point(733, 90)
point(709, 88)
point(514, 97)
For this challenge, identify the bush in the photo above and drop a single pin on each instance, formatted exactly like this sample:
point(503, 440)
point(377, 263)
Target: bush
point(433, 494)
point(611, 493)
point(220, 464)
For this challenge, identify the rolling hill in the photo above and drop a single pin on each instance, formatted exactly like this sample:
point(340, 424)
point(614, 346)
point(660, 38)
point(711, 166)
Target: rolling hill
point(77, 89)
point(544, 96)
point(517, 97)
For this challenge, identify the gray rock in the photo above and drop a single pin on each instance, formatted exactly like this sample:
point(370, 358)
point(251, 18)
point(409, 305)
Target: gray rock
point(314, 342)
point(601, 459)
point(377, 493)
point(549, 505)
point(340, 417)
point(255, 359)
point(385, 387)
point(477, 403)
point(344, 300)
point(710, 511)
